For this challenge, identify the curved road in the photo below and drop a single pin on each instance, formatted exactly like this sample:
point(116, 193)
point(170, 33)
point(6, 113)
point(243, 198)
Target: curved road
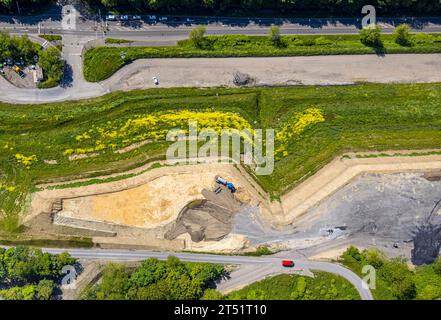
point(255, 268)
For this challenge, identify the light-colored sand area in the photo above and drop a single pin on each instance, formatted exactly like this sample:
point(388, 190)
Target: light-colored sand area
point(148, 205)
point(148, 200)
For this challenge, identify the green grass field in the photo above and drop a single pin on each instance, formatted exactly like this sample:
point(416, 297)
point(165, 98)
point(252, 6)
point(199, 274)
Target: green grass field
point(356, 118)
point(51, 37)
point(101, 62)
point(324, 286)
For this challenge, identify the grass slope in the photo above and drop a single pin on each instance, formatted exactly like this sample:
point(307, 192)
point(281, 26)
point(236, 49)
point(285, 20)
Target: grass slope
point(357, 118)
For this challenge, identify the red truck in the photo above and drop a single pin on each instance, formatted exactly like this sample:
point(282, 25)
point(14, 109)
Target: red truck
point(288, 263)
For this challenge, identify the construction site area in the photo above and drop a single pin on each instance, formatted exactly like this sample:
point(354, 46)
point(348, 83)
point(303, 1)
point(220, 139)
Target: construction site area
point(171, 207)
point(391, 203)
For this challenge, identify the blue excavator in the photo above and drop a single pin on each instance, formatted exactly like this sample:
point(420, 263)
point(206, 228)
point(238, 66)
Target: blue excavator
point(225, 183)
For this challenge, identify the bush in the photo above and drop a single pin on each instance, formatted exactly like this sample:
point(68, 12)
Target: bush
point(275, 37)
point(260, 251)
point(51, 37)
point(156, 280)
point(423, 38)
point(117, 41)
point(437, 266)
point(53, 66)
point(371, 36)
point(212, 294)
point(402, 35)
point(196, 37)
point(322, 41)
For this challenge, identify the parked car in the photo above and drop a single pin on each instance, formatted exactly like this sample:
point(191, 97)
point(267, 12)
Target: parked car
point(288, 263)
point(190, 20)
point(124, 18)
point(111, 17)
point(152, 17)
point(136, 17)
point(163, 19)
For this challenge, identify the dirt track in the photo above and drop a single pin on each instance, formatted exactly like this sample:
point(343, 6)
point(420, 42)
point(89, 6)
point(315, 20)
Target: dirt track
point(317, 70)
point(208, 72)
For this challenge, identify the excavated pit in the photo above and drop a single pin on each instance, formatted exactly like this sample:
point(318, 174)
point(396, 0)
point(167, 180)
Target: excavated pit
point(209, 219)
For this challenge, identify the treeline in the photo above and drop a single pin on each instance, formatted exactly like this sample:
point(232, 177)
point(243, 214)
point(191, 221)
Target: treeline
point(394, 279)
point(24, 6)
point(249, 7)
point(155, 280)
point(21, 48)
point(18, 48)
point(28, 273)
point(286, 7)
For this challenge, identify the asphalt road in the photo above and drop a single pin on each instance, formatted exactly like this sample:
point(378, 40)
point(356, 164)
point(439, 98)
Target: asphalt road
point(256, 268)
point(68, 21)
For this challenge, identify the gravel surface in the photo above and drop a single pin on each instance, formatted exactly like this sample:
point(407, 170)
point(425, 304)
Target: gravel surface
point(382, 208)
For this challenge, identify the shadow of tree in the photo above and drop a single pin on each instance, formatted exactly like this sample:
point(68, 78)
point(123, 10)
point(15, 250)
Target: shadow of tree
point(67, 80)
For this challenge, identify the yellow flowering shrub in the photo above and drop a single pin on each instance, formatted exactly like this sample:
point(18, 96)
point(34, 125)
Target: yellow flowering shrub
point(294, 127)
point(5, 187)
point(154, 126)
point(25, 161)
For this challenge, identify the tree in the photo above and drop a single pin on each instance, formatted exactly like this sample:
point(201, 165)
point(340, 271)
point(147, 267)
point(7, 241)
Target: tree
point(353, 253)
point(401, 35)
point(114, 283)
point(375, 258)
point(401, 280)
point(52, 64)
point(24, 264)
point(150, 271)
point(275, 37)
point(44, 289)
point(371, 36)
point(155, 280)
point(212, 294)
point(196, 37)
point(24, 48)
point(6, 3)
point(109, 3)
point(17, 47)
point(437, 266)
point(19, 293)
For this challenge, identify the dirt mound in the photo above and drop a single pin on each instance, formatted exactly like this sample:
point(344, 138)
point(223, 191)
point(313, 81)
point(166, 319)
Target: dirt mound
point(432, 176)
point(210, 219)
